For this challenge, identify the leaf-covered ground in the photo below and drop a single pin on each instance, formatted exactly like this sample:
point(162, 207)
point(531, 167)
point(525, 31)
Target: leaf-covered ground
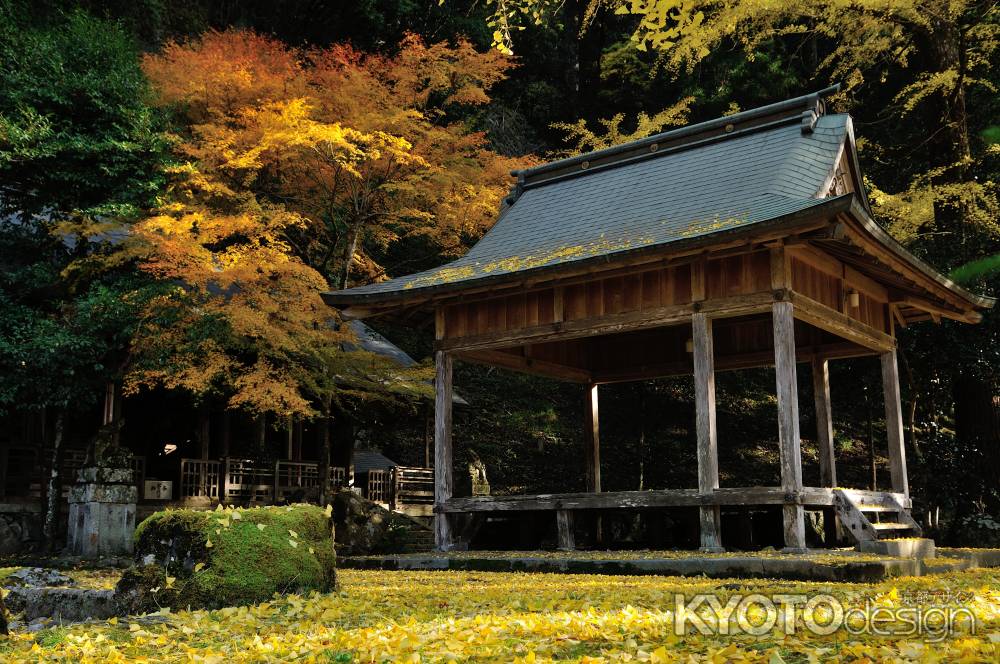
point(492, 617)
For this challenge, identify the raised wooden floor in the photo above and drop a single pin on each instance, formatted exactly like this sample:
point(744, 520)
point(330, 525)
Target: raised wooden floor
point(808, 497)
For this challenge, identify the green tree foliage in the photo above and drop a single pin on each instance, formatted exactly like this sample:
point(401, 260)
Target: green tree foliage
point(78, 152)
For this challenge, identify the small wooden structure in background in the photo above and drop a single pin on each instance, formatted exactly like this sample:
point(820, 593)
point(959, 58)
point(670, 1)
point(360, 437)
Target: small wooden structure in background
point(741, 242)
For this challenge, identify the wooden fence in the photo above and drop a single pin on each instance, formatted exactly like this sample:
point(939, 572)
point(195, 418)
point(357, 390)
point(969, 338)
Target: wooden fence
point(251, 482)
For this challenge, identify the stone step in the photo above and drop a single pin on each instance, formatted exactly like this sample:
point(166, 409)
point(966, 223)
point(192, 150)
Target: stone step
point(884, 509)
point(891, 526)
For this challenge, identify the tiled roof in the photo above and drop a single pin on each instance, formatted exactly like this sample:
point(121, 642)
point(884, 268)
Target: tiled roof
point(724, 179)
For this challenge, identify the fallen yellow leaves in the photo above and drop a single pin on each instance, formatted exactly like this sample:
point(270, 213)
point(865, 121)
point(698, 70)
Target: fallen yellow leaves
point(505, 617)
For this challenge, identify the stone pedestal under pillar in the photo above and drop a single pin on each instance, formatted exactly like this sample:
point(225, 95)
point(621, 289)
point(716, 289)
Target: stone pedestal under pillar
point(102, 512)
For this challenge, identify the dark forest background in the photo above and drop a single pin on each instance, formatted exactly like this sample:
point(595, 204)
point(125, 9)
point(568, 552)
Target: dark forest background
point(582, 66)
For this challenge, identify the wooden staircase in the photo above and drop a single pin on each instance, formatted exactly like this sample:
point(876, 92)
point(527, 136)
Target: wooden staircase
point(873, 516)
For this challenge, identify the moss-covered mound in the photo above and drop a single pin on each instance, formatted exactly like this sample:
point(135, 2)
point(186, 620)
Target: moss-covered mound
point(233, 557)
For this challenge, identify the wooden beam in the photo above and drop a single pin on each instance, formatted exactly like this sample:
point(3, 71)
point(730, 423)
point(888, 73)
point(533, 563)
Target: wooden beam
point(731, 496)
point(865, 284)
point(737, 305)
point(708, 453)
point(765, 358)
point(528, 365)
point(857, 233)
point(894, 424)
point(789, 442)
point(443, 479)
point(564, 530)
point(824, 422)
point(592, 439)
point(934, 310)
point(836, 323)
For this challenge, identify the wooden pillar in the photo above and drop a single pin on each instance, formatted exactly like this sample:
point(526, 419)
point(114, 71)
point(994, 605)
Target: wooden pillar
point(824, 440)
point(789, 441)
point(443, 478)
point(824, 423)
point(708, 452)
point(894, 423)
point(564, 530)
point(592, 452)
point(592, 439)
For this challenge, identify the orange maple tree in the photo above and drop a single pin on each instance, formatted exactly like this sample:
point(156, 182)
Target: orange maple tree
point(367, 149)
point(291, 166)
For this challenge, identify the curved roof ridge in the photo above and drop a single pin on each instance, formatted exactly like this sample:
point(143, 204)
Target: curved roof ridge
point(789, 107)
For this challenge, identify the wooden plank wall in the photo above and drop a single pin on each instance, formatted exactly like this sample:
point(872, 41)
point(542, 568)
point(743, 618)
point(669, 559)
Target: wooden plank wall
point(818, 279)
point(659, 287)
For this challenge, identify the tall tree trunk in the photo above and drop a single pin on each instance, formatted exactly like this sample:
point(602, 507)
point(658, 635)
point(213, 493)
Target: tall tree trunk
point(53, 492)
point(977, 422)
point(205, 428)
point(226, 432)
point(911, 410)
point(872, 466)
point(324, 455)
point(951, 150)
point(342, 451)
point(350, 247)
point(260, 432)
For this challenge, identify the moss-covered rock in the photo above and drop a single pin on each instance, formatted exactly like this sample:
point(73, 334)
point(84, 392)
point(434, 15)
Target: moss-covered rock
point(233, 557)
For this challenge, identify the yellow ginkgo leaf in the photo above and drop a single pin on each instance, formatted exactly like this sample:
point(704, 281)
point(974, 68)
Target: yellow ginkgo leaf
point(260, 526)
point(293, 543)
point(208, 544)
point(293, 534)
point(198, 567)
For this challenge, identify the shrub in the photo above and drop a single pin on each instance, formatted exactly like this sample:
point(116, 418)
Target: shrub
point(233, 557)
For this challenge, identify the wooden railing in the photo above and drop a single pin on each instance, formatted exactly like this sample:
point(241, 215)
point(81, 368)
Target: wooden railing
point(200, 478)
point(413, 488)
point(379, 488)
point(251, 482)
point(248, 481)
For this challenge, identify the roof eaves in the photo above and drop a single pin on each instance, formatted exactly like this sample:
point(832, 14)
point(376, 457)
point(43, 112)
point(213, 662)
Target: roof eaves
point(413, 296)
point(858, 211)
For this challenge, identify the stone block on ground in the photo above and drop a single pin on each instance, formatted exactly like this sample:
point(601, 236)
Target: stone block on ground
point(202, 559)
point(61, 605)
point(102, 512)
point(910, 547)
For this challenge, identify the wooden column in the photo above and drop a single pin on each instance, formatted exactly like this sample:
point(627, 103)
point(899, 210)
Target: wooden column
point(708, 452)
point(824, 440)
point(592, 439)
point(564, 530)
point(824, 423)
point(443, 478)
point(894, 424)
point(789, 442)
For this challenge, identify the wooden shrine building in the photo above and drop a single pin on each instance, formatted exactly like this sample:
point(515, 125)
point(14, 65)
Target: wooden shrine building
point(741, 242)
